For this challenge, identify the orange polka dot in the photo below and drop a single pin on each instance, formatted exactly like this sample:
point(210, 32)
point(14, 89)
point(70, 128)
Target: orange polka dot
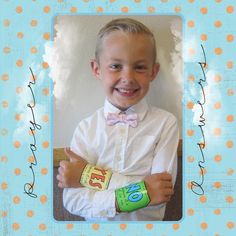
point(175, 226)
point(4, 186)
point(19, 63)
point(69, 226)
point(46, 9)
point(190, 105)
point(230, 38)
point(111, 1)
point(123, 226)
point(203, 199)
point(19, 9)
point(34, 23)
point(229, 144)
point(204, 225)
point(191, 51)
point(99, 9)
point(15, 226)
point(218, 1)
point(202, 171)
point(149, 226)
point(217, 131)
point(73, 9)
point(217, 185)
point(191, 1)
point(18, 117)
point(177, 9)
point(218, 24)
point(217, 105)
point(45, 144)
point(30, 213)
point(190, 132)
point(17, 171)
point(43, 199)
point(6, 23)
point(191, 24)
point(230, 171)
point(229, 199)
point(218, 51)
point(190, 212)
point(230, 225)
point(46, 35)
point(191, 78)
point(230, 92)
point(45, 65)
point(217, 211)
point(164, 1)
point(6, 50)
point(191, 159)
point(17, 144)
point(45, 91)
point(204, 10)
point(4, 214)
point(204, 37)
point(20, 35)
point(19, 90)
point(45, 118)
point(16, 200)
point(230, 118)
point(151, 9)
point(31, 159)
point(230, 9)
point(230, 64)
point(4, 159)
point(218, 158)
point(125, 9)
point(95, 226)
point(42, 227)
point(33, 50)
point(44, 171)
point(5, 104)
point(5, 77)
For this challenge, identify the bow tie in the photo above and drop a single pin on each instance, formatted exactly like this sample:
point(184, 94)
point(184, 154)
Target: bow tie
point(131, 119)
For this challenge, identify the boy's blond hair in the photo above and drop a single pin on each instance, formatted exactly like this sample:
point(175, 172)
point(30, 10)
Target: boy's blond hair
point(126, 25)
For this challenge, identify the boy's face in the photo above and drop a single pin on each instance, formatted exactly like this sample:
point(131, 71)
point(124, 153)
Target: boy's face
point(125, 67)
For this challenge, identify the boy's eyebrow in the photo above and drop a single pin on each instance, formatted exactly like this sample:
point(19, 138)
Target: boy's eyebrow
point(120, 60)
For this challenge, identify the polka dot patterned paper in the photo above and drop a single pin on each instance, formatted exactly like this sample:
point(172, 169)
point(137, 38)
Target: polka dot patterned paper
point(209, 117)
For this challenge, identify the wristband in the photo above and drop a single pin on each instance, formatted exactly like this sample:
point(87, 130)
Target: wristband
point(132, 197)
point(96, 178)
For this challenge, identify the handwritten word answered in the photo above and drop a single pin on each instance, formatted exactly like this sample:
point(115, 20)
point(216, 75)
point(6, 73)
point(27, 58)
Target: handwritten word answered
point(197, 187)
point(29, 187)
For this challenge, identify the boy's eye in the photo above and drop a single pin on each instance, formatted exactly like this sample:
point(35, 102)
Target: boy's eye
point(141, 68)
point(115, 66)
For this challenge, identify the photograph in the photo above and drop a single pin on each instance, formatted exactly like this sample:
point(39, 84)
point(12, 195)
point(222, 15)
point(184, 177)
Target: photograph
point(117, 118)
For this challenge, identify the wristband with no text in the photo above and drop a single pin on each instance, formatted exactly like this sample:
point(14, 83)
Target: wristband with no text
point(132, 197)
point(94, 177)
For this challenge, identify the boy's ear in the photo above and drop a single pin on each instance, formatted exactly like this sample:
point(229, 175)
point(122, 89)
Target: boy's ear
point(155, 70)
point(95, 68)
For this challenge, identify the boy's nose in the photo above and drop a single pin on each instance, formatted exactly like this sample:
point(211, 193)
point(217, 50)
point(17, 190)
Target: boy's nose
point(127, 76)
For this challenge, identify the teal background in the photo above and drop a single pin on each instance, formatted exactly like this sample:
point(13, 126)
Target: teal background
point(14, 97)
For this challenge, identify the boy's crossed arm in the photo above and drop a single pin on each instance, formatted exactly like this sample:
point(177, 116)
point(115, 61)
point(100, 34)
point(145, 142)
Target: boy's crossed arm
point(159, 187)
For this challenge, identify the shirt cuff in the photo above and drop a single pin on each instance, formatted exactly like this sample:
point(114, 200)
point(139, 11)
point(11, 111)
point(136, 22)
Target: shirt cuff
point(104, 204)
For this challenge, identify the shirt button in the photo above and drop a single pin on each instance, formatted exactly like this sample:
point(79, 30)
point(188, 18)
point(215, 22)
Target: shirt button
point(122, 131)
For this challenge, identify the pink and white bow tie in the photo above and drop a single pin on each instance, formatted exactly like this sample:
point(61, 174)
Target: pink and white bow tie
point(131, 119)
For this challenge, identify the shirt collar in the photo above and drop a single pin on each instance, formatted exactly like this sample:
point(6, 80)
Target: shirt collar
point(140, 109)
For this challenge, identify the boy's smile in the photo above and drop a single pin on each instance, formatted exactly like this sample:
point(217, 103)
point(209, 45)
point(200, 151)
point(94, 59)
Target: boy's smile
point(125, 67)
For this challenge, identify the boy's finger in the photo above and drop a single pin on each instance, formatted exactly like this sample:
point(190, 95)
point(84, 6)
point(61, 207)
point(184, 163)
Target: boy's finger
point(165, 176)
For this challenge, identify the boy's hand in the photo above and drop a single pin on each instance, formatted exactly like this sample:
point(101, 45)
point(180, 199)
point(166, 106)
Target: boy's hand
point(159, 188)
point(70, 171)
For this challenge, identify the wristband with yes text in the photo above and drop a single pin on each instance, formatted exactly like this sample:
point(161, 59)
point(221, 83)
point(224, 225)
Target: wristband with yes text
point(94, 177)
point(132, 197)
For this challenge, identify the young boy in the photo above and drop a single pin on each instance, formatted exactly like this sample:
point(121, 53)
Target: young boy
point(125, 142)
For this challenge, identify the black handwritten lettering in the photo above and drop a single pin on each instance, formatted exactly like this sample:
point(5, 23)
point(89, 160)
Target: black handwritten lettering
point(29, 187)
point(197, 187)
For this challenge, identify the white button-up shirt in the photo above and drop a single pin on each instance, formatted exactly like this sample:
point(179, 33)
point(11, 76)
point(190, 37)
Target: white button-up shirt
point(131, 153)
